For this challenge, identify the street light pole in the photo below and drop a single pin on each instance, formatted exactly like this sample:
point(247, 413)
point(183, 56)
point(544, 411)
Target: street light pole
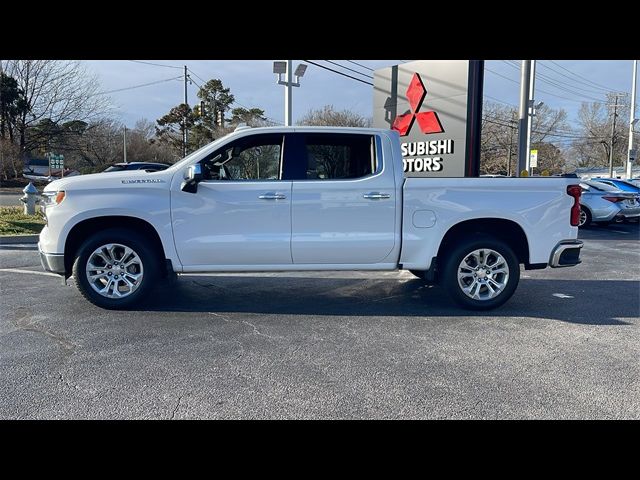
point(286, 68)
point(631, 156)
point(530, 111)
point(288, 95)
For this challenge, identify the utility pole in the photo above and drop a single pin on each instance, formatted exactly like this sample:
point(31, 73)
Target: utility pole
point(513, 124)
point(524, 130)
point(185, 134)
point(124, 143)
point(288, 95)
point(631, 155)
point(613, 132)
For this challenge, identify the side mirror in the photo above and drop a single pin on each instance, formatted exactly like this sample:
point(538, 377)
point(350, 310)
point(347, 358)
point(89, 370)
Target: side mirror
point(192, 177)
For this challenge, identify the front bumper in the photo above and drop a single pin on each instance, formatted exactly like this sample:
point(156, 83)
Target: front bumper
point(566, 254)
point(52, 262)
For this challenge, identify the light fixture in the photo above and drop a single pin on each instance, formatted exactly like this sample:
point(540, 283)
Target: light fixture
point(300, 69)
point(285, 68)
point(279, 67)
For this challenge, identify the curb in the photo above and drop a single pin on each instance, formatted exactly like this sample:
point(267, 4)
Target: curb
point(14, 239)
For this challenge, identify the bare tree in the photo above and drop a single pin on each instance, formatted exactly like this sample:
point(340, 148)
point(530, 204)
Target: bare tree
point(60, 91)
point(499, 141)
point(10, 163)
point(591, 148)
point(329, 116)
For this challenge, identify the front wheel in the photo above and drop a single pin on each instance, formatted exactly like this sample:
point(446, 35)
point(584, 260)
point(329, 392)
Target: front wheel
point(115, 268)
point(481, 274)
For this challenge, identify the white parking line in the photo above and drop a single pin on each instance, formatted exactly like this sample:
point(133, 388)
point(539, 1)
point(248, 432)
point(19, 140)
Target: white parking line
point(17, 270)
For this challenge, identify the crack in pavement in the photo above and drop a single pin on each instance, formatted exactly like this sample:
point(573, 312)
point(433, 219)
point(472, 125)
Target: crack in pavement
point(258, 332)
point(176, 407)
point(245, 322)
point(29, 324)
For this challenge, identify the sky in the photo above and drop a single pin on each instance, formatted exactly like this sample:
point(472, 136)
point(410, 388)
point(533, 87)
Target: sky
point(559, 84)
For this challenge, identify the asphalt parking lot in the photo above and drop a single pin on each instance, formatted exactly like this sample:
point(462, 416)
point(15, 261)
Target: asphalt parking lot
point(328, 345)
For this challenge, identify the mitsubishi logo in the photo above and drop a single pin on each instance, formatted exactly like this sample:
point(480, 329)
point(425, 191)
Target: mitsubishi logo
point(428, 121)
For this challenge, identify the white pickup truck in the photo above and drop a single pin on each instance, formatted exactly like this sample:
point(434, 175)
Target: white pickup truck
point(305, 198)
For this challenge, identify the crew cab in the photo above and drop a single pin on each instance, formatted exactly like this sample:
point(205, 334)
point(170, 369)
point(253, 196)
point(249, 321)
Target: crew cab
point(305, 198)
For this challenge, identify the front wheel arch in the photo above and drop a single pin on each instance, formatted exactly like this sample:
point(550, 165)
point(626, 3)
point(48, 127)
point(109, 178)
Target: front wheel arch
point(84, 229)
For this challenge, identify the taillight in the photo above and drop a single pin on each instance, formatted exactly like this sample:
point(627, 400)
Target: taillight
point(575, 191)
point(613, 199)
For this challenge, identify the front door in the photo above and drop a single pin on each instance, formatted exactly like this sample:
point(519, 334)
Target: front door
point(241, 213)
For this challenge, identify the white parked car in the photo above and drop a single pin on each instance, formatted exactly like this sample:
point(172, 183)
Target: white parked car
point(305, 198)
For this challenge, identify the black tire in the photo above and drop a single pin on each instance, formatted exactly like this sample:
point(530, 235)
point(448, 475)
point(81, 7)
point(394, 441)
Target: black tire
point(149, 259)
point(585, 215)
point(455, 256)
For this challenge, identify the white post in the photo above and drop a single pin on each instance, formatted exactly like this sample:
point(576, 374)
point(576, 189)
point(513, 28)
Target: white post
point(530, 111)
point(523, 127)
point(631, 120)
point(288, 94)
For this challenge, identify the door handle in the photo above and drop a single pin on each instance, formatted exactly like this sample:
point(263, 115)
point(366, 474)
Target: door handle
point(376, 195)
point(272, 196)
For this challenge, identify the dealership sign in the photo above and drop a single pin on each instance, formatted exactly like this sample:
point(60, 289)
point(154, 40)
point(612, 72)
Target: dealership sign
point(436, 107)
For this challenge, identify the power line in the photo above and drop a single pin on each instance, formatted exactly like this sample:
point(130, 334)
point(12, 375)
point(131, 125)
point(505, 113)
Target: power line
point(501, 101)
point(597, 90)
point(154, 64)
point(561, 84)
point(360, 65)
point(339, 73)
point(350, 69)
point(137, 86)
point(201, 79)
point(499, 121)
point(580, 76)
point(538, 89)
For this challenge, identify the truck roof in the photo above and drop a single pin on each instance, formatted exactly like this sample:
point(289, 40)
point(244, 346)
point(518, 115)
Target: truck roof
point(305, 128)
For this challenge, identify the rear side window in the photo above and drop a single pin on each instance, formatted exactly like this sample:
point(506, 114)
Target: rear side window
point(334, 157)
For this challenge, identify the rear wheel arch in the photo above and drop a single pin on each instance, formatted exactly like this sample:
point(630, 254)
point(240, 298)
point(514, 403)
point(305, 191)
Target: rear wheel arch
point(501, 229)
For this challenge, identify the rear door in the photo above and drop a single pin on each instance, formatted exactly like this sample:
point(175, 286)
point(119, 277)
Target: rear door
point(343, 200)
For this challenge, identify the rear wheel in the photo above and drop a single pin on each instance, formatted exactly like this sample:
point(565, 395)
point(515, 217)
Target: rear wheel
point(115, 269)
point(481, 274)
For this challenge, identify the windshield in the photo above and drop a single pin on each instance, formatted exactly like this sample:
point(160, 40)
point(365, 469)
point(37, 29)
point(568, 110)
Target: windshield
point(114, 168)
point(191, 156)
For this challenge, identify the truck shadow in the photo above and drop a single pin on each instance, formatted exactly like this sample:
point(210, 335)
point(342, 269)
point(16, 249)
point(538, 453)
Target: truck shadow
point(589, 302)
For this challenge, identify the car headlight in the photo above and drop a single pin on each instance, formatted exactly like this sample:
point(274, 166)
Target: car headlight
point(53, 198)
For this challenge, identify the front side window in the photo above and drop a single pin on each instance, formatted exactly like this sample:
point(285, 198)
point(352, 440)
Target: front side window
point(251, 158)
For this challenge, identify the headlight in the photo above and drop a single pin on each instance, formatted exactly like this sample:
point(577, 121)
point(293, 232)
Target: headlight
point(53, 198)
